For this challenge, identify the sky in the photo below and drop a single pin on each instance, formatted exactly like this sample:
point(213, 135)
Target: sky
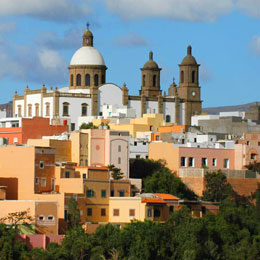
point(38, 39)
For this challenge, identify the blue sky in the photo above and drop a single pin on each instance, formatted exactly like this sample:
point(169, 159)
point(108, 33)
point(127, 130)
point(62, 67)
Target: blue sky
point(38, 39)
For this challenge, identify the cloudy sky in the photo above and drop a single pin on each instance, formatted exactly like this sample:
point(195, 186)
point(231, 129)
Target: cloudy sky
point(38, 39)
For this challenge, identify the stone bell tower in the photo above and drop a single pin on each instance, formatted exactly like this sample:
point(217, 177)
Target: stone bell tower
point(150, 86)
point(189, 89)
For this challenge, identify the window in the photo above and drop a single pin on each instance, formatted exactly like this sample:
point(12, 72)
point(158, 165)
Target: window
point(52, 184)
point(103, 193)
point(248, 143)
point(203, 210)
point(19, 111)
point(36, 180)
point(50, 217)
point(65, 109)
point(87, 80)
point(171, 209)
point(226, 163)
point(149, 213)
point(116, 212)
point(151, 128)
point(157, 137)
point(103, 79)
point(96, 80)
point(195, 140)
point(29, 110)
point(41, 165)
point(143, 80)
point(138, 156)
point(119, 148)
point(67, 174)
point(78, 80)
point(191, 162)
point(103, 212)
point(43, 182)
point(157, 213)
point(193, 77)
point(15, 140)
point(121, 193)
point(135, 143)
point(131, 212)
point(84, 175)
point(253, 156)
point(119, 160)
point(182, 76)
point(258, 143)
point(214, 162)
point(90, 193)
point(84, 109)
point(41, 218)
point(154, 80)
point(112, 193)
point(168, 118)
point(89, 212)
point(183, 161)
point(66, 215)
point(47, 109)
point(36, 109)
point(72, 126)
point(146, 157)
point(71, 80)
point(204, 162)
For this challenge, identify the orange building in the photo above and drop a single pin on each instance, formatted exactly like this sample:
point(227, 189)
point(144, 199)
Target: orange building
point(31, 128)
point(167, 129)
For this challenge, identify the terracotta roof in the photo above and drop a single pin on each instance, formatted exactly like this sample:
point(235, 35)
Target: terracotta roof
point(166, 196)
point(91, 167)
point(153, 200)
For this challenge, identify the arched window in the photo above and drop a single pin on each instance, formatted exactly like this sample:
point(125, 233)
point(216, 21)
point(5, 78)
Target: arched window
point(37, 109)
point(84, 109)
point(78, 80)
point(193, 76)
point(66, 109)
point(168, 118)
point(96, 80)
point(154, 80)
point(143, 80)
point(47, 109)
point(182, 76)
point(87, 80)
point(103, 79)
point(71, 80)
point(29, 110)
point(19, 110)
point(119, 148)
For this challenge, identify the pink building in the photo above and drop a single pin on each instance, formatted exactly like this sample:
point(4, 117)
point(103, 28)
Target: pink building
point(191, 157)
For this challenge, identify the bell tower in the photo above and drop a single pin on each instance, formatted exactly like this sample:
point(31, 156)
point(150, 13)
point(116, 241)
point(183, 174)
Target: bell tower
point(150, 86)
point(189, 89)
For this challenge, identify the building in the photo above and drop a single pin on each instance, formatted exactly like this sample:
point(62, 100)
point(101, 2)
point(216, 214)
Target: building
point(88, 92)
point(19, 130)
point(192, 157)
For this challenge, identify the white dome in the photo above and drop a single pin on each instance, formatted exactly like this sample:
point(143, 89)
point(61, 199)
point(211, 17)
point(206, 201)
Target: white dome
point(87, 55)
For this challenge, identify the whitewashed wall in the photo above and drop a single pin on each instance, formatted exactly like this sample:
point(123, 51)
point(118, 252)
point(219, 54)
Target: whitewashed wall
point(152, 107)
point(169, 109)
point(135, 104)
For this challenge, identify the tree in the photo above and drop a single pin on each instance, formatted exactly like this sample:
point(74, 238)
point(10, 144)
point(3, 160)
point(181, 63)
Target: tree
point(254, 166)
point(73, 214)
point(89, 125)
point(115, 172)
point(217, 187)
point(164, 181)
point(142, 168)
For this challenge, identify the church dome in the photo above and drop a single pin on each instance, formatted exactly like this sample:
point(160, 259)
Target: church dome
point(151, 64)
point(87, 55)
point(189, 59)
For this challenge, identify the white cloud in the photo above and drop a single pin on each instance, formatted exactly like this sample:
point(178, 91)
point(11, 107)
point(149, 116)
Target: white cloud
point(205, 73)
point(189, 10)
point(55, 10)
point(50, 59)
point(251, 7)
point(131, 39)
point(254, 45)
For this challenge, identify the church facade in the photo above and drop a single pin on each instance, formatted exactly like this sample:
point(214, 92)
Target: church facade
point(88, 92)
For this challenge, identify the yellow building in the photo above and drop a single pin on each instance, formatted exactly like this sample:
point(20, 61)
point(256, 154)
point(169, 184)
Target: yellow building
point(149, 122)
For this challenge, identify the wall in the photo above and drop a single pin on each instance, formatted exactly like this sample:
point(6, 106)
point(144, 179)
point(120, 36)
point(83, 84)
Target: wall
point(124, 205)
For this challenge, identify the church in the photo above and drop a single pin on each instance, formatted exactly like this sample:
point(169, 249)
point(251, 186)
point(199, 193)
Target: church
point(88, 93)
